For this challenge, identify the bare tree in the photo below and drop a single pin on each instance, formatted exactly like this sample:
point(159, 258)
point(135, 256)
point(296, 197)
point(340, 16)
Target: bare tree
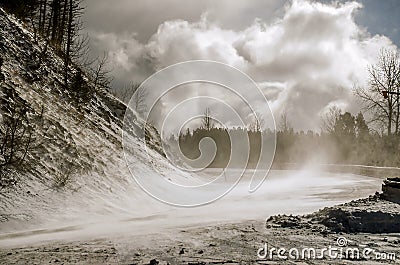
point(76, 44)
point(101, 72)
point(138, 100)
point(329, 119)
point(284, 125)
point(16, 134)
point(134, 93)
point(258, 123)
point(125, 92)
point(207, 121)
point(381, 97)
point(59, 22)
point(42, 16)
point(65, 177)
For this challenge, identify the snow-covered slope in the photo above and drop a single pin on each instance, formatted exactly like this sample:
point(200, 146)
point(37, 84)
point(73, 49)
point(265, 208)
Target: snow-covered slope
point(84, 137)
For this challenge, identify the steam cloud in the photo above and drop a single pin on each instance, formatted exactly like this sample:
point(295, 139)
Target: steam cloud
point(305, 61)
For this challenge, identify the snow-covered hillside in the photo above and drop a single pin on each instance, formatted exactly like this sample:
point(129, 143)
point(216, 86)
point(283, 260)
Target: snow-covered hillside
point(83, 140)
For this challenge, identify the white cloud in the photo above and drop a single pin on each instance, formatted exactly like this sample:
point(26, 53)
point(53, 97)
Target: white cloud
point(305, 61)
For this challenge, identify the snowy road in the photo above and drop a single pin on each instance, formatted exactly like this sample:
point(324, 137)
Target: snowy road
point(289, 192)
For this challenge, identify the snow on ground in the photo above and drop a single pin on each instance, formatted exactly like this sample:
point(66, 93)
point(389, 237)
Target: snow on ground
point(104, 201)
point(284, 192)
point(89, 135)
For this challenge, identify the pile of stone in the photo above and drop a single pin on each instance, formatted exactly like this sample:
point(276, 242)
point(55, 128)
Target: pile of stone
point(391, 190)
point(370, 215)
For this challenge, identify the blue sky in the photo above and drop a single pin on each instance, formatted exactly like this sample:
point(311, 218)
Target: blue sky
point(381, 17)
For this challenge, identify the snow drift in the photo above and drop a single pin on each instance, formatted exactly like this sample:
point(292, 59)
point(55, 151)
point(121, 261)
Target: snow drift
point(83, 140)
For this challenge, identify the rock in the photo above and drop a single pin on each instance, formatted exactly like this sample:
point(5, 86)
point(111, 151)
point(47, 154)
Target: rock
point(154, 262)
point(98, 251)
point(391, 190)
point(285, 221)
point(372, 244)
point(182, 251)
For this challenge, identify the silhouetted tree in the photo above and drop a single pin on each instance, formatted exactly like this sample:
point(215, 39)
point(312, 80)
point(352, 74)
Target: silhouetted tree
point(21, 8)
point(380, 96)
point(207, 121)
point(284, 125)
point(362, 129)
point(17, 126)
point(330, 118)
point(101, 73)
point(257, 124)
point(80, 89)
point(345, 126)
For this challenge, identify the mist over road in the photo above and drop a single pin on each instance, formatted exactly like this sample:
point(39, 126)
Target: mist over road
point(283, 192)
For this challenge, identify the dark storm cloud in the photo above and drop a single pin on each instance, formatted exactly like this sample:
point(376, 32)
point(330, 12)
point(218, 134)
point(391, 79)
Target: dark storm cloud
point(144, 16)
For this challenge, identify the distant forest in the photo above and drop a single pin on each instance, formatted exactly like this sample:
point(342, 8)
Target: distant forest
point(345, 139)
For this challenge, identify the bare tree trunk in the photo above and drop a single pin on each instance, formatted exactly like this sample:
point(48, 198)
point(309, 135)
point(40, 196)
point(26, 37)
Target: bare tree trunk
point(390, 121)
point(48, 33)
point(55, 22)
point(397, 109)
point(63, 25)
point(41, 14)
point(69, 42)
point(207, 120)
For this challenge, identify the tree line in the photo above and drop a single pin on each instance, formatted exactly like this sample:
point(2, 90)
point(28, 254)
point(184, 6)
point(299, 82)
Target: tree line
point(345, 139)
